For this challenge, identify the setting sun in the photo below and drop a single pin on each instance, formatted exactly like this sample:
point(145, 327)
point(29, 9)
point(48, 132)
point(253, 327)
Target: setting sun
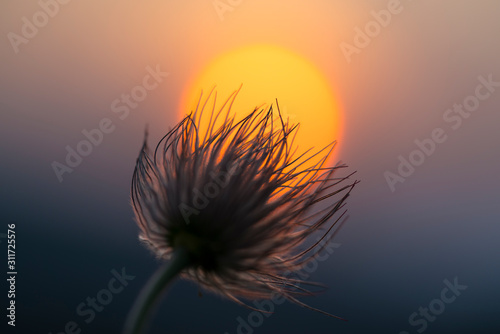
point(267, 73)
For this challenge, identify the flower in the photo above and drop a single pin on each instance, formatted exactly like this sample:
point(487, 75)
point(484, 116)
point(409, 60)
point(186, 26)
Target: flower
point(238, 201)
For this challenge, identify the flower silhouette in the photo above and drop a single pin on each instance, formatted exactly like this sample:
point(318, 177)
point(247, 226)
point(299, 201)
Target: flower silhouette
point(233, 206)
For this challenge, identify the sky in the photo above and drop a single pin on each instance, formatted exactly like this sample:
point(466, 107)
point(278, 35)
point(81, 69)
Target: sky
point(418, 83)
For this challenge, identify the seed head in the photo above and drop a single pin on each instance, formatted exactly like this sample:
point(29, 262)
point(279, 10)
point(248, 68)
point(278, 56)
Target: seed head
point(239, 200)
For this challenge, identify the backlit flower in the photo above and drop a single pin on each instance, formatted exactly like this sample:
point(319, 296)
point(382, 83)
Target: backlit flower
point(238, 201)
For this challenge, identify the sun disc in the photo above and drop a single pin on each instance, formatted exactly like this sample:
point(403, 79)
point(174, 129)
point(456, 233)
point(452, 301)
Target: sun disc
point(268, 73)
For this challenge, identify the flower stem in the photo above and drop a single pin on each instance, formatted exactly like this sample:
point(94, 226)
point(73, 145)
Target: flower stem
point(153, 290)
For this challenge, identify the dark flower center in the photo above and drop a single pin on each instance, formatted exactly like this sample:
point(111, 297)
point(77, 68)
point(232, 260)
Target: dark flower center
point(203, 251)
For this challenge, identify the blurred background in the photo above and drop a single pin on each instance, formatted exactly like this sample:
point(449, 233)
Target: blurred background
point(395, 79)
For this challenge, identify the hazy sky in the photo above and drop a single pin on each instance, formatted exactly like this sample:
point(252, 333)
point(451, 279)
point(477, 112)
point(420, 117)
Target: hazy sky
point(419, 86)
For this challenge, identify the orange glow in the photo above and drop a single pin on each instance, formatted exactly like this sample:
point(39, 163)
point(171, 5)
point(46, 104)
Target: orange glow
point(269, 73)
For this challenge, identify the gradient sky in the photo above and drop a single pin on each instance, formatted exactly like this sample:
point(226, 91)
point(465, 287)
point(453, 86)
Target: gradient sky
point(396, 248)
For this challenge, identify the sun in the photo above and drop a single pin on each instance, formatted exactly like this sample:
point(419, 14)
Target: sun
point(267, 73)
